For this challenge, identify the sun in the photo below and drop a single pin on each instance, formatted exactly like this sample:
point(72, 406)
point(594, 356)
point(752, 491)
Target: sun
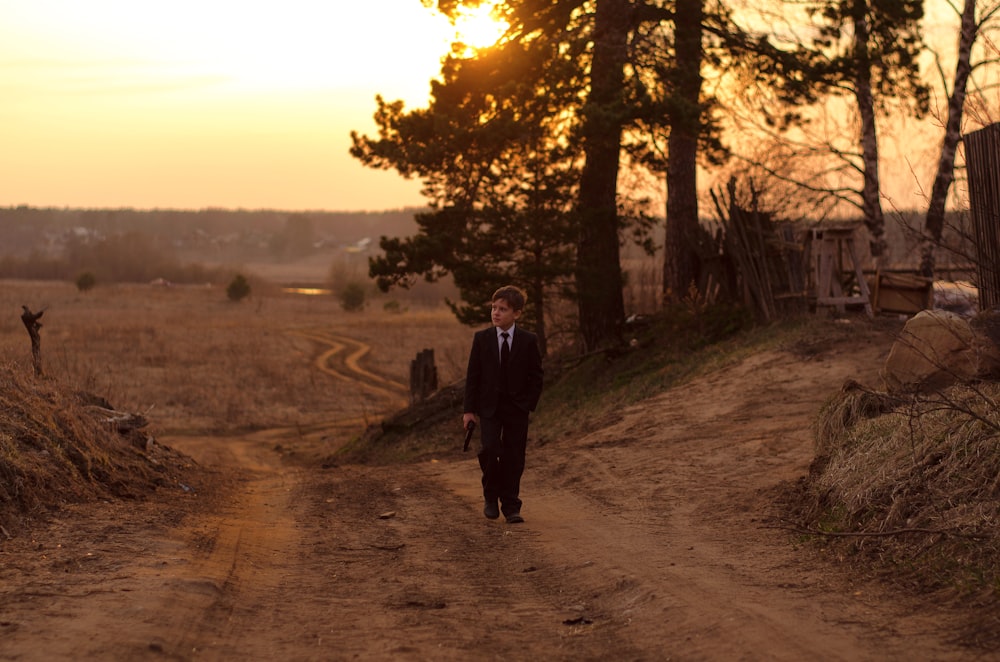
point(478, 27)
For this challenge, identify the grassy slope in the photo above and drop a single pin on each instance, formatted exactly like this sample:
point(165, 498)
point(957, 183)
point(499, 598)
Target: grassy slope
point(583, 392)
point(57, 447)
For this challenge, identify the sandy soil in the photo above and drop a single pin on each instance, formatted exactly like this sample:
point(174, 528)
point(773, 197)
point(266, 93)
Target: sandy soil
point(651, 537)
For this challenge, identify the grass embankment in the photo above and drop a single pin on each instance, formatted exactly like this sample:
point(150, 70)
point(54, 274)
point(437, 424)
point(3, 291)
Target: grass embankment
point(909, 486)
point(57, 447)
point(582, 392)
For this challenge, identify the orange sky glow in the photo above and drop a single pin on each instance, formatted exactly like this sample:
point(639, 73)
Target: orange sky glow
point(191, 104)
point(247, 104)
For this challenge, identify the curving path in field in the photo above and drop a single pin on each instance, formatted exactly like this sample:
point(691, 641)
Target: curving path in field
point(341, 359)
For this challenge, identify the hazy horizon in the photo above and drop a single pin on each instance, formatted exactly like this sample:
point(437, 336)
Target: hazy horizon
point(203, 104)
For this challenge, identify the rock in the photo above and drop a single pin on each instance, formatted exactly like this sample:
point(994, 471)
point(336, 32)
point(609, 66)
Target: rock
point(936, 348)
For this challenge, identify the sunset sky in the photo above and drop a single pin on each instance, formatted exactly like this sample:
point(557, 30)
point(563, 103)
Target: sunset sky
point(245, 104)
point(191, 104)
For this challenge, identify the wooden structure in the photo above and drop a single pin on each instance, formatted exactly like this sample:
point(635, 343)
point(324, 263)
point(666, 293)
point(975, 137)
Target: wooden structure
point(423, 376)
point(902, 293)
point(982, 156)
point(832, 289)
point(755, 255)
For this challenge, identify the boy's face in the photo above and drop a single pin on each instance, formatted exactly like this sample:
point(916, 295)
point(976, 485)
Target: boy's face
point(503, 315)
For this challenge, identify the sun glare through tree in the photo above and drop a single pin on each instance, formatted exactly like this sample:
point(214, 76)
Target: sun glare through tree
point(478, 27)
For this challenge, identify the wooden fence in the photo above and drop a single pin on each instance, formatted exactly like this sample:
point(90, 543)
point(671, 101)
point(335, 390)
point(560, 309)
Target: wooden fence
point(767, 258)
point(982, 157)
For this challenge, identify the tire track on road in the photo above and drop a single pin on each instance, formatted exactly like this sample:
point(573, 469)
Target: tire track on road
point(337, 363)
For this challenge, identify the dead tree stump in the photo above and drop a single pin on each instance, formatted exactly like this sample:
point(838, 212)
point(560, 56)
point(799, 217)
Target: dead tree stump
point(32, 324)
point(423, 376)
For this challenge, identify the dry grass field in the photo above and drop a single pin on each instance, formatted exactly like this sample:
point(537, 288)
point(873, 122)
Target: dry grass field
point(656, 507)
point(193, 361)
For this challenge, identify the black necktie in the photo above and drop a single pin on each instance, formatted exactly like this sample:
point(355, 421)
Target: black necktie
point(504, 359)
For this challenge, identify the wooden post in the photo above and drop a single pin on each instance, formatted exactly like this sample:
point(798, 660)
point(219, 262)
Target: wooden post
point(423, 376)
point(828, 243)
point(32, 324)
point(981, 156)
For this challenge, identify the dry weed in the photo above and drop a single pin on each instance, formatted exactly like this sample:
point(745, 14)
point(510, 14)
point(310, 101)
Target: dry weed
point(912, 483)
point(54, 450)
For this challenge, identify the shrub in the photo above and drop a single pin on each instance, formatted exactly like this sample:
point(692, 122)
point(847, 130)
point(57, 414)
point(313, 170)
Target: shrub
point(85, 281)
point(238, 288)
point(393, 306)
point(352, 297)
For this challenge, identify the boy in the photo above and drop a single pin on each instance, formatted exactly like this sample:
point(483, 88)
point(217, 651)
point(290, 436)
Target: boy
point(502, 386)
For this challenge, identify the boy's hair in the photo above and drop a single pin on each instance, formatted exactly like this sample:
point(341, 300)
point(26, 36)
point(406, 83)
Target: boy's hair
point(514, 296)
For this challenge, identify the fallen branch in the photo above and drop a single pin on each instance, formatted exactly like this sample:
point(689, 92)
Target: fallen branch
point(122, 421)
point(806, 530)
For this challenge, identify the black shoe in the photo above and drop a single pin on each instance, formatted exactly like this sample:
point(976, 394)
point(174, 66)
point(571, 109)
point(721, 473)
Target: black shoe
point(514, 518)
point(491, 511)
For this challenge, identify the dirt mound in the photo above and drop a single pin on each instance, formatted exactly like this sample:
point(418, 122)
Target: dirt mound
point(907, 486)
point(59, 446)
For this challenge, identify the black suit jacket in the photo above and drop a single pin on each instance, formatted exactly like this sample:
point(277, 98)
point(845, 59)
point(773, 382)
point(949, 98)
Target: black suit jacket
point(524, 375)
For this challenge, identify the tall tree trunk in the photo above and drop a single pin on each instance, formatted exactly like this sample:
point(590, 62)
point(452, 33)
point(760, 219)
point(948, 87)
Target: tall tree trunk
point(537, 294)
point(871, 204)
point(540, 327)
point(680, 261)
point(934, 222)
point(598, 274)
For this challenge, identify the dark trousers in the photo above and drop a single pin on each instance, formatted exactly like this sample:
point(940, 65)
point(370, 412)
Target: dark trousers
point(504, 438)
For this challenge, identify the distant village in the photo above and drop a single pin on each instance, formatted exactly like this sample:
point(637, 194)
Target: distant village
point(207, 233)
point(55, 241)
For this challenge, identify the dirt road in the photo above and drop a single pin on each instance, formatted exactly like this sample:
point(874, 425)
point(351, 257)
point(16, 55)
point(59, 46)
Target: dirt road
point(646, 539)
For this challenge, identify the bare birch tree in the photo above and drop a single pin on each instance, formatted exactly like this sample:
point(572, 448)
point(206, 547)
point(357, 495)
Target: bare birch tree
point(970, 30)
